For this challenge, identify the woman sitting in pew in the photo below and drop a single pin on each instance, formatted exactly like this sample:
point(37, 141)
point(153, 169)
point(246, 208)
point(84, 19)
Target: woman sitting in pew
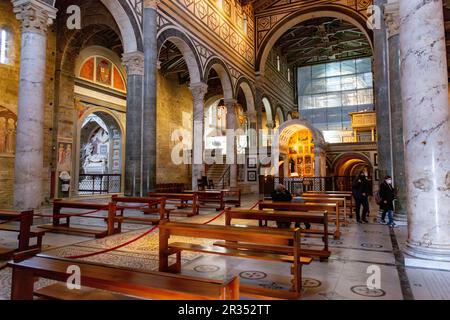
point(280, 194)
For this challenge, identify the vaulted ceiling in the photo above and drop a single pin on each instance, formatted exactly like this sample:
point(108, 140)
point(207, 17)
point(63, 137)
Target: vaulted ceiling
point(322, 40)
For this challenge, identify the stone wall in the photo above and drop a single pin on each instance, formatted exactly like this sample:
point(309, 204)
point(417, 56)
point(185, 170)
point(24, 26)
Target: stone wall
point(173, 100)
point(9, 84)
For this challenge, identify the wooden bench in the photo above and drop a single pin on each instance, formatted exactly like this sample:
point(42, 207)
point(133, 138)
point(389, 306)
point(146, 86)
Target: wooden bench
point(277, 247)
point(284, 216)
point(65, 227)
point(25, 232)
point(215, 199)
point(181, 200)
point(169, 187)
point(149, 206)
point(331, 208)
point(340, 201)
point(140, 284)
point(335, 194)
point(232, 197)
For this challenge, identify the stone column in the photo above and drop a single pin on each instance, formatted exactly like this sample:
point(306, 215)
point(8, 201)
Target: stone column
point(134, 62)
point(253, 136)
point(392, 19)
point(149, 106)
point(231, 141)
point(35, 17)
point(319, 162)
point(198, 91)
point(381, 94)
point(426, 127)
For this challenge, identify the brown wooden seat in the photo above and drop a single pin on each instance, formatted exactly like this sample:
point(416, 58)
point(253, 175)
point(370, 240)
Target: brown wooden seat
point(331, 208)
point(320, 218)
point(284, 247)
point(58, 227)
point(59, 291)
point(140, 284)
point(26, 232)
point(188, 201)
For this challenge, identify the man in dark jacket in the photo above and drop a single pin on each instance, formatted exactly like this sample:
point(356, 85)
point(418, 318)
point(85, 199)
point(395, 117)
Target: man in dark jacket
point(360, 190)
point(280, 194)
point(387, 195)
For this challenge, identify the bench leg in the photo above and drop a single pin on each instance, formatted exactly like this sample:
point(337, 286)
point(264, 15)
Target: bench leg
point(22, 284)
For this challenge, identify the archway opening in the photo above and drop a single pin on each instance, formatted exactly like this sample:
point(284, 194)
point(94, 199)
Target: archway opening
point(347, 168)
point(100, 158)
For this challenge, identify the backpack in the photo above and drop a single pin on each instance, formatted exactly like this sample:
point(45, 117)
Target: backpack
point(377, 197)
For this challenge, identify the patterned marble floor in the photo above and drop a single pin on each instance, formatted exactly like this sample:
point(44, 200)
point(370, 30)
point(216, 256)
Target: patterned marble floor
point(344, 276)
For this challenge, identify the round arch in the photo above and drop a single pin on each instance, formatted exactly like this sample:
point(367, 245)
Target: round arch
point(280, 114)
point(268, 107)
point(244, 84)
point(225, 78)
point(111, 118)
point(332, 11)
point(187, 49)
point(347, 163)
point(129, 30)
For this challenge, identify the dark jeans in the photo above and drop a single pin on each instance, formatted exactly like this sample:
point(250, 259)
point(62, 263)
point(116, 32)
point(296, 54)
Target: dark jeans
point(284, 225)
point(364, 202)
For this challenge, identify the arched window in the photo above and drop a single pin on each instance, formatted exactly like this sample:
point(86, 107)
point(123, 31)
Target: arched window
point(102, 71)
point(245, 24)
point(4, 46)
point(278, 63)
point(289, 74)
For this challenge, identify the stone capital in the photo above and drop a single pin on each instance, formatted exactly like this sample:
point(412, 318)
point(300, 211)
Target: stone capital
point(230, 103)
point(134, 61)
point(392, 17)
point(252, 116)
point(35, 15)
point(151, 4)
point(198, 91)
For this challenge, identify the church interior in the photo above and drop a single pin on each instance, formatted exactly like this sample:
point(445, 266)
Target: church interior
point(224, 150)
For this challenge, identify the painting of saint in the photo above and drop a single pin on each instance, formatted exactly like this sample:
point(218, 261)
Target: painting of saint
point(104, 68)
point(65, 156)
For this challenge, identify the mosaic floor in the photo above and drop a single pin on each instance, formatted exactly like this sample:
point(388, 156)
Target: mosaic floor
point(344, 276)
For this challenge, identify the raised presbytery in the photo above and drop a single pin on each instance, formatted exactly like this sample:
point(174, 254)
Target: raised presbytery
point(224, 150)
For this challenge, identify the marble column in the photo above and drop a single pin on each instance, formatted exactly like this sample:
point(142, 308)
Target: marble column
point(134, 62)
point(231, 141)
point(319, 162)
point(149, 106)
point(253, 135)
point(426, 130)
point(392, 19)
point(35, 17)
point(381, 94)
point(198, 91)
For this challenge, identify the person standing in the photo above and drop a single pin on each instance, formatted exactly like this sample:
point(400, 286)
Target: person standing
point(387, 195)
point(360, 190)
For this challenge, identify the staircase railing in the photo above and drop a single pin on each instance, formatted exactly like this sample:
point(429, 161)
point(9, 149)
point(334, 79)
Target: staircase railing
point(225, 178)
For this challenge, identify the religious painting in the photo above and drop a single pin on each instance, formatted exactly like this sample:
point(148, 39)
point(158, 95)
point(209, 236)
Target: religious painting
point(64, 156)
point(103, 73)
point(251, 162)
point(251, 176)
point(8, 123)
point(118, 81)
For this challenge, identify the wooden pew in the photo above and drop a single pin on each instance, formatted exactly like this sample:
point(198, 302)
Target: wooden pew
point(284, 216)
point(232, 197)
point(216, 199)
point(340, 201)
point(335, 194)
point(149, 205)
point(275, 241)
point(65, 227)
point(182, 200)
point(141, 284)
point(26, 232)
point(332, 208)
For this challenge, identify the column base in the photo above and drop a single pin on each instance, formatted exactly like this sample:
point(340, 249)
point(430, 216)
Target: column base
point(400, 219)
point(427, 258)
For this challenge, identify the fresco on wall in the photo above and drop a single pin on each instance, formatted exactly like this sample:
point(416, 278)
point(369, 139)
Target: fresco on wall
point(8, 123)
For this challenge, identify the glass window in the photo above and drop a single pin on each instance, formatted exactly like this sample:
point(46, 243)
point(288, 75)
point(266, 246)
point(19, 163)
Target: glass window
point(4, 46)
point(365, 96)
point(318, 71)
point(348, 67)
point(365, 80)
point(349, 98)
point(334, 100)
point(333, 84)
point(319, 85)
point(320, 101)
point(348, 82)
point(306, 102)
point(363, 65)
point(333, 69)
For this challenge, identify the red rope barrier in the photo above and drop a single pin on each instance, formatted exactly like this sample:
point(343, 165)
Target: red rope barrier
point(114, 248)
point(69, 214)
point(11, 220)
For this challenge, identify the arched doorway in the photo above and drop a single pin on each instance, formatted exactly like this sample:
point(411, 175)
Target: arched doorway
point(347, 167)
point(100, 154)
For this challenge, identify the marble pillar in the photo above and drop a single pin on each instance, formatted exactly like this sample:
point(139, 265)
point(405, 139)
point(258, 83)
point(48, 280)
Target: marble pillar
point(149, 106)
point(198, 91)
point(392, 19)
point(381, 95)
point(35, 17)
point(231, 141)
point(426, 130)
point(134, 62)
